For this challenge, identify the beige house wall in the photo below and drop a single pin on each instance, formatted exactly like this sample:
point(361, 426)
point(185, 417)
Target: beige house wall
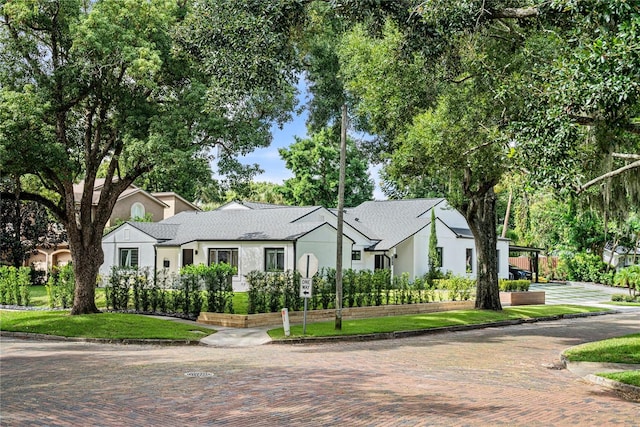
point(122, 209)
point(175, 204)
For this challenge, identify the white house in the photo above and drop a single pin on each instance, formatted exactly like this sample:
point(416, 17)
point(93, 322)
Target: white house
point(620, 256)
point(256, 236)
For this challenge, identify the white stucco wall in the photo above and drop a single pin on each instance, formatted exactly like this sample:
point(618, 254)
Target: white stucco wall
point(322, 243)
point(127, 237)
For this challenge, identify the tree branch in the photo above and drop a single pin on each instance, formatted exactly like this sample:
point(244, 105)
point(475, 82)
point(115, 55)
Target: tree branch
point(38, 198)
point(626, 156)
point(515, 13)
point(618, 171)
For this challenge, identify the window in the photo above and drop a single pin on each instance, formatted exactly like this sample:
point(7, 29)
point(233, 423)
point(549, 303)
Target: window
point(166, 263)
point(498, 259)
point(128, 257)
point(469, 260)
point(439, 252)
point(228, 256)
point(381, 262)
point(356, 255)
point(137, 211)
point(187, 257)
point(274, 259)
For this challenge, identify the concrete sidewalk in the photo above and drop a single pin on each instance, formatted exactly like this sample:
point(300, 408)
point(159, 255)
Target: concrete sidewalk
point(237, 337)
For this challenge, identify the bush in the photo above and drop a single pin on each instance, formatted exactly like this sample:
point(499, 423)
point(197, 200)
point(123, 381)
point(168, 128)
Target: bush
point(61, 286)
point(458, 288)
point(583, 267)
point(629, 278)
point(514, 285)
point(15, 285)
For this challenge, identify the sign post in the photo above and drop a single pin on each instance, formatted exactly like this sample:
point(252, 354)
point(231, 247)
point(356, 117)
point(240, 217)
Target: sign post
point(308, 267)
point(285, 322)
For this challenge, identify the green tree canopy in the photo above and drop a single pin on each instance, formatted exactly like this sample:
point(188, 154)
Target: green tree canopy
point(315, 165)
point(125, 87)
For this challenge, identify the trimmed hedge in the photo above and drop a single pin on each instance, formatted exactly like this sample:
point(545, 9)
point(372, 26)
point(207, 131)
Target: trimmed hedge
point(14, 285)
point(270, 291)
point(514, 285)
point(197, 288)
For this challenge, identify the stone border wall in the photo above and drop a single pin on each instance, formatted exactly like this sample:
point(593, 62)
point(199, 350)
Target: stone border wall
point(296, 317)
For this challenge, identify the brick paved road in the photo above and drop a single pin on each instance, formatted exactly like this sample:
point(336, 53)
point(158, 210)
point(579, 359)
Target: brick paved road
point(498, 376)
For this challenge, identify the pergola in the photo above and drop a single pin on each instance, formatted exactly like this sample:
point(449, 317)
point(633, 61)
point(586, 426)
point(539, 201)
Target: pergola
point(533, 258)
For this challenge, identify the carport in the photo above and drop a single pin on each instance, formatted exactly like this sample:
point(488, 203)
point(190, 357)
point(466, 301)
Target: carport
point(533, 255)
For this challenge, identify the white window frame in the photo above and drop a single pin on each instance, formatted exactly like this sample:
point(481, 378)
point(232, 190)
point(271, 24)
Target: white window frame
point(278, 252)
point(128, 260)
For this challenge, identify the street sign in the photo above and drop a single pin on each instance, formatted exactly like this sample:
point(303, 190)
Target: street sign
point(306, 288)
point(308, 265)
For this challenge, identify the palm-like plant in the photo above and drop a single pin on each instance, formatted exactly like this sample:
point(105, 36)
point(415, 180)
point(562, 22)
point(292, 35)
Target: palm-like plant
point(629, 278)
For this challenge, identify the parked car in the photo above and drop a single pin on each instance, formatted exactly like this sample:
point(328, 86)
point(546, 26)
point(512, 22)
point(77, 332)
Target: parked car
point(516, 273)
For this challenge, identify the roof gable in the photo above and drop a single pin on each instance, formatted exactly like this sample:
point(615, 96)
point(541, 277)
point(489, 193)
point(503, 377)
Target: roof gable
point(391, 221)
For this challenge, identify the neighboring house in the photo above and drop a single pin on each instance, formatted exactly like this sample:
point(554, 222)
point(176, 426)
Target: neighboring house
point(265, 237)
point(132, 203)
point(621, 256)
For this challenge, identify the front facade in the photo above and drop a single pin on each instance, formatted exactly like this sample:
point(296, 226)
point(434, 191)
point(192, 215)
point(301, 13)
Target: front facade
point(388, 234)
point(620, 256)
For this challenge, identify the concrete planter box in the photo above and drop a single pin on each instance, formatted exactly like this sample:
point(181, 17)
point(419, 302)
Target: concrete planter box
point(296, 317)
point(522, 298)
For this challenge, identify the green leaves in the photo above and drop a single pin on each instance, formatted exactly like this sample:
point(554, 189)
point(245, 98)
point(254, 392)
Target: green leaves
point(315, 163)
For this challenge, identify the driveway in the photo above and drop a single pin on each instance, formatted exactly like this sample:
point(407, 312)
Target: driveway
point(498, 376)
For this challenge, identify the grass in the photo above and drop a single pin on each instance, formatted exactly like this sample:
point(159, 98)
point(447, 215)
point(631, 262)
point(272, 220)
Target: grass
point(104, 325)
point(625, 349)
point(429, 320)
point(626, 377)
point(627, 304)
point(39, 298)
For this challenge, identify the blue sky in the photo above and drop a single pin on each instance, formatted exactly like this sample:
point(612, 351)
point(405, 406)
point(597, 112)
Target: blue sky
point(269, 158)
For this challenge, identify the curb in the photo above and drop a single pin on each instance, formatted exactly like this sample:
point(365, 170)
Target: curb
point(431, 331)
point(630, 392)
point(125, 341)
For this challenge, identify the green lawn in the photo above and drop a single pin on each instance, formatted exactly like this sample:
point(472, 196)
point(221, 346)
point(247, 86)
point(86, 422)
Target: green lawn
point(39, 297)
point(429, 320)
point(626, 377)
point(624, 349)
point(628, 304)
point(104, 325)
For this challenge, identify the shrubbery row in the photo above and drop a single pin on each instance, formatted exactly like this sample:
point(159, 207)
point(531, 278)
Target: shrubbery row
point(514, 285)
point(197, 287)
point(14, 285)
point(269, 292)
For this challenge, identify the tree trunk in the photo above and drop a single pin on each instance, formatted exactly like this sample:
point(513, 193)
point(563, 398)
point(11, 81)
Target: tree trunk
point(87, 258)
point(480, 213)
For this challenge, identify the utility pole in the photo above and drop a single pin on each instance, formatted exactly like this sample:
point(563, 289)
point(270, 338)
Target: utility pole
point(343, 166)
point(506, 216)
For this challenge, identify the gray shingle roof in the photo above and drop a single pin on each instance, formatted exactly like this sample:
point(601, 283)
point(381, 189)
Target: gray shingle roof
point(393, 220)
point(234, 225)
point(157, 230)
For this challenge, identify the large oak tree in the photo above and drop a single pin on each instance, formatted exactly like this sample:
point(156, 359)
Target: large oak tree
point(122, 87)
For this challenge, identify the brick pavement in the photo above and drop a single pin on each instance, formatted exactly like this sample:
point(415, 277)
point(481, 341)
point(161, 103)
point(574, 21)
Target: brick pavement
point(498, 376)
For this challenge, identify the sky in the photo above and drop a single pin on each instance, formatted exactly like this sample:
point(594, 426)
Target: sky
point(269, 158)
